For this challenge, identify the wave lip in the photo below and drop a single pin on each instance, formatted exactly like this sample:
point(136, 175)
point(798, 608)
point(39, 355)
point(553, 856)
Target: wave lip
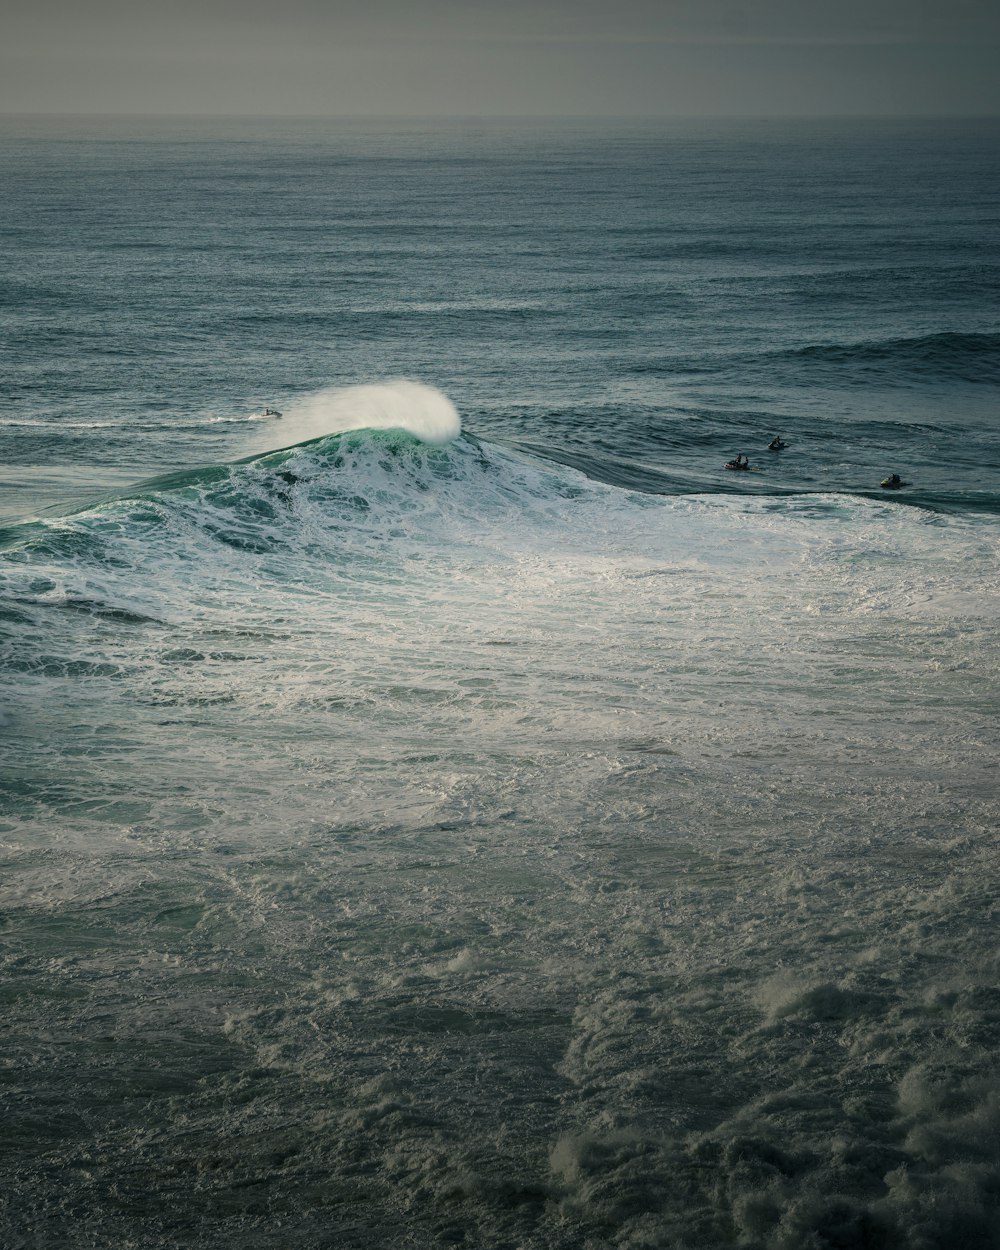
point(418, 409)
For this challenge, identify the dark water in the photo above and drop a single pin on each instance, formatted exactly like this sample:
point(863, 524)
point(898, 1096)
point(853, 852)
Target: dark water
point(534, 836)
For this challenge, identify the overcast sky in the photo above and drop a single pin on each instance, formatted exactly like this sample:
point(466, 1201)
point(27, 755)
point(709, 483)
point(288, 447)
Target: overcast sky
point(512, 57)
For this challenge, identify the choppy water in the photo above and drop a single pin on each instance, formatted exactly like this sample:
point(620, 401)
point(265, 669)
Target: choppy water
point(526, 834)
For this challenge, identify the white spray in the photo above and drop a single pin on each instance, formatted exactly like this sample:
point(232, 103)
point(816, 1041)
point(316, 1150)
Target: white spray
point(421, 410)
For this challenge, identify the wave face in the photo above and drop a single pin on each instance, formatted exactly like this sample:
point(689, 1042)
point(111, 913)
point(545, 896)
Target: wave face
point(516, 831)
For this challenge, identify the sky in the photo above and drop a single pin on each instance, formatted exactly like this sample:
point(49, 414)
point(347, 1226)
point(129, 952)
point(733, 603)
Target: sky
point(424, 58)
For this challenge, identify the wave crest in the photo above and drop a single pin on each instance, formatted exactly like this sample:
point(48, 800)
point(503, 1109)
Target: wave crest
point(401, 404)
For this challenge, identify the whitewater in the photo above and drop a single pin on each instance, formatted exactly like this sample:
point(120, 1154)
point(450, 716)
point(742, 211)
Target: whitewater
point(454, 812)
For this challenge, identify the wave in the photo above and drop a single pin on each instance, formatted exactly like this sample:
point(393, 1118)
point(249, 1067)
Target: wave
point(966, 357)
point(358, 494)
point(355, 516)
point(365, 533)
point(420, 410)
point(348, 493)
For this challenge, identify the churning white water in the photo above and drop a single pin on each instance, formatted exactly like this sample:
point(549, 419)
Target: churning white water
point(418, 844)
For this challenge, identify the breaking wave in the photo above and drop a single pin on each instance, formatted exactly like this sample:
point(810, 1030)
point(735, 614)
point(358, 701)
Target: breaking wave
point(414, 407)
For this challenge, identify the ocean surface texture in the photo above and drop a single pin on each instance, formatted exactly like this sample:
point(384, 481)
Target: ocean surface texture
point(459, 811)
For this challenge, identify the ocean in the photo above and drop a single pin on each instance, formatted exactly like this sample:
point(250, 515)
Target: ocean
point(460, 811)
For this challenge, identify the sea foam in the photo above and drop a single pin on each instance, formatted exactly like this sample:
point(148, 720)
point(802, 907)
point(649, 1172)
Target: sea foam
point(400, 404)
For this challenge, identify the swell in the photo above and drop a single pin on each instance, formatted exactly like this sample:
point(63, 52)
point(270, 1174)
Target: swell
point(696, 479)
point(949, 355)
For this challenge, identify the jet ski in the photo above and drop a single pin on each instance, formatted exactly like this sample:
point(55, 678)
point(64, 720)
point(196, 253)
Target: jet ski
point(737, 464)
point(776, 445)
point(892, 482)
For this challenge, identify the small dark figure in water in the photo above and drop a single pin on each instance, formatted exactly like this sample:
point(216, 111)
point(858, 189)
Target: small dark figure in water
point(892, 482)
point(775, 444)
point(283, 492)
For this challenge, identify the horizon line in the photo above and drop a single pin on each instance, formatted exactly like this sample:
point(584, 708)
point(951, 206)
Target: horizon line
point(511, 117)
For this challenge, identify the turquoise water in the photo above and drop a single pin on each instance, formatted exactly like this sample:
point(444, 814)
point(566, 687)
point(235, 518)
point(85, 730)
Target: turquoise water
point(458, 810)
